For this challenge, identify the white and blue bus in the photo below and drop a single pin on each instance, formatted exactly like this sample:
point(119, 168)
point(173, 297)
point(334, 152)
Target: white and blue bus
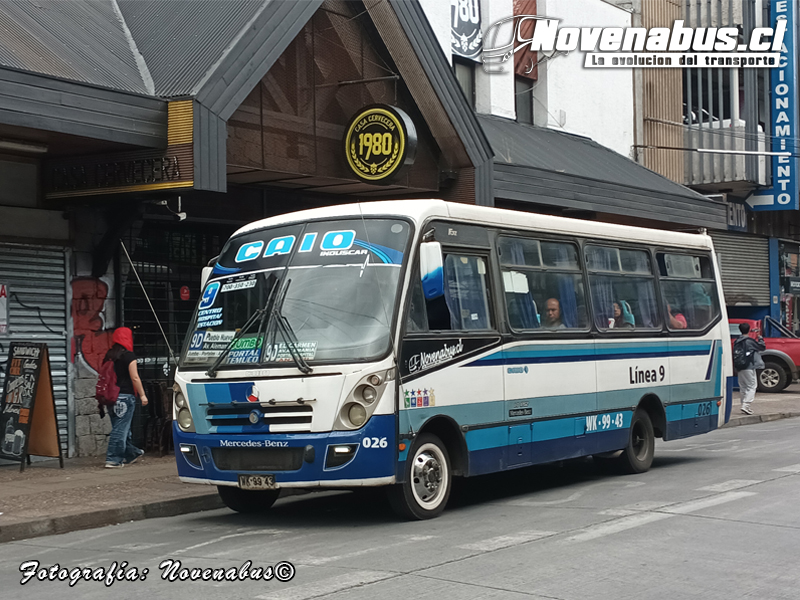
point(403, 343)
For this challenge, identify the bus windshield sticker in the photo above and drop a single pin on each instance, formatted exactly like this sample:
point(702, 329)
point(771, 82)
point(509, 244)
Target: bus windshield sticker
point(280, 352)
point(341, 242)
point(209, 295)
point(239, 285)
point(242, 357)
point(209, 317)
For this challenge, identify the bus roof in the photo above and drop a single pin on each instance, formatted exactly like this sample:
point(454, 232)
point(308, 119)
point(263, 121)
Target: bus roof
point(422, 210)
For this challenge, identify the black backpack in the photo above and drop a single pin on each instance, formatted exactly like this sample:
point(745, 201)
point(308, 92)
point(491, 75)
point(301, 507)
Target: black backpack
point(741, 357)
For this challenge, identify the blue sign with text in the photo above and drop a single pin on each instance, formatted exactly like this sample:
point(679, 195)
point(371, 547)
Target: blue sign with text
point(783, 195)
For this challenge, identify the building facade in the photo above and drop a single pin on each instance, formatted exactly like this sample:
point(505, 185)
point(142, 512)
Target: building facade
point(713, 130)
point(130, 154)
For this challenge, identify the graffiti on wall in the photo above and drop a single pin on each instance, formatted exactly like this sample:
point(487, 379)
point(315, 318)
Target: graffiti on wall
point(91, 340)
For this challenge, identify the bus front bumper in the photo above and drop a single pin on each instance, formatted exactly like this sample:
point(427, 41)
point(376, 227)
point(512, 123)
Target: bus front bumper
point(366, 457)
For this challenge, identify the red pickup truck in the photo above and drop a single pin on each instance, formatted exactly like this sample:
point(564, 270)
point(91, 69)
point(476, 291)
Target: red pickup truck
point(782, 356)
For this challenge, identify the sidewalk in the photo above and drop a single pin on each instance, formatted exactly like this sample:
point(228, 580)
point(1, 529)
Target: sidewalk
point(45, 500)
point(767, 407)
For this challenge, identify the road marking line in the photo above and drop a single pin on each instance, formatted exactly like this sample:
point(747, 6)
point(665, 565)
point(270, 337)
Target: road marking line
point(569, 498)
point(317, 561)
point(504, 541)
point(691, 506)
point(636, 520)
point(789, 469)
point(622, 524)
point(226, 537)
point(327, 586)
point(732, 484)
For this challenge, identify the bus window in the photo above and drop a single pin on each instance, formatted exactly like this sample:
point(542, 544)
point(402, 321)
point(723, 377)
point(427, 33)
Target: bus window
point(464, 305)
point(465, 292)
point(623, 288)
point(417, 315)
point(689, 291)
point(543, 285)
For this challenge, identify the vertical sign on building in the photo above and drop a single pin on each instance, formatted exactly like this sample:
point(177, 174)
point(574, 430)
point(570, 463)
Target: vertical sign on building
point(783, 195)
point(3, 308)
point(466, 38)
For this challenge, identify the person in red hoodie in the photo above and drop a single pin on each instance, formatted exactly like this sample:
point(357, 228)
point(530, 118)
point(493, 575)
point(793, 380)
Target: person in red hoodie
point(120, 449)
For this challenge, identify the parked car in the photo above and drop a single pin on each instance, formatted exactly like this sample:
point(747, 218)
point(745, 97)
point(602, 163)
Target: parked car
point(782, 356)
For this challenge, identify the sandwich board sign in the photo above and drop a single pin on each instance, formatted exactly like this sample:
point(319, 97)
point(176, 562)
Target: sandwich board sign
point(28, 424)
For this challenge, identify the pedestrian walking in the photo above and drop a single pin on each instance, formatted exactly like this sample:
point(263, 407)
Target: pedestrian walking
point(746, 359)
point(121, 450)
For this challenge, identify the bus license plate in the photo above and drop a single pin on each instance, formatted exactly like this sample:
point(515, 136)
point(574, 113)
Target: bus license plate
point(257, 482)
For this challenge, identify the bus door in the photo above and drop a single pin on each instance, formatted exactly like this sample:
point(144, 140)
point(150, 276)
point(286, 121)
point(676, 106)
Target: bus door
point(450, 329)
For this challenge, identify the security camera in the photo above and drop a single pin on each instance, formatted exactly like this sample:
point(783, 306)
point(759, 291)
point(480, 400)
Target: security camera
point(180, 216)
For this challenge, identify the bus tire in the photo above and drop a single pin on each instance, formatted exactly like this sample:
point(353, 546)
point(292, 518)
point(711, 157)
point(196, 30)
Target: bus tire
point(428, 479)
point(247, 501)
point(638, 454)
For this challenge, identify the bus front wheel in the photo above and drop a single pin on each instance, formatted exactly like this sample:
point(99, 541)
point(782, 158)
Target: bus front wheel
point(247, 501)
point(428, 477)
point(638, 454)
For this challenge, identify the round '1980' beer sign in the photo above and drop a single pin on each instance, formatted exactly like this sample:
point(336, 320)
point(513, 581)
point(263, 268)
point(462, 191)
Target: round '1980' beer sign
point(380, 141)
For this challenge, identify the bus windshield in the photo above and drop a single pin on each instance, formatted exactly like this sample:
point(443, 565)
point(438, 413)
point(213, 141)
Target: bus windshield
point(333, 284)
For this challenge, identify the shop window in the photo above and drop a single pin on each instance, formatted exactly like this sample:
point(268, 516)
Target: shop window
point(465, 75)
point(523, 99)
point(689, 291)
point(623, 288)
point(542, 284)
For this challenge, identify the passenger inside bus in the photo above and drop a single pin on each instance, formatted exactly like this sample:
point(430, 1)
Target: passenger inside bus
point(623, 317)
point(677, 320)
point(552, 315)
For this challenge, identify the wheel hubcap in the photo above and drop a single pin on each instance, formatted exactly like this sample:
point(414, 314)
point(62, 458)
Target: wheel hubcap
point(770, 377)
point(427, 477)
point(638, 441)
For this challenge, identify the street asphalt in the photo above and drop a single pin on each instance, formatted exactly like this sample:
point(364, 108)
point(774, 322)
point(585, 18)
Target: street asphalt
point(715, 518)
point(46, 500)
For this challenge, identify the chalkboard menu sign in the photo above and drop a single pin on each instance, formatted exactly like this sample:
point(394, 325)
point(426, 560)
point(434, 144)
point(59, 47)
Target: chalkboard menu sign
point(28, 424)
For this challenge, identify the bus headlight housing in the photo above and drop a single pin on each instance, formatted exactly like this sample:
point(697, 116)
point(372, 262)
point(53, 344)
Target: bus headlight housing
point(181, 410)
point(361, 402)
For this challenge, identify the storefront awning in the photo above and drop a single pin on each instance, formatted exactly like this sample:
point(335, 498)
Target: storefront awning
point(542, 166)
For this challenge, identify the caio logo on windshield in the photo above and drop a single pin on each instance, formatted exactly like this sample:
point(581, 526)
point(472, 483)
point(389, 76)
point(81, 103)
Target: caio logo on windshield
point(379, 142)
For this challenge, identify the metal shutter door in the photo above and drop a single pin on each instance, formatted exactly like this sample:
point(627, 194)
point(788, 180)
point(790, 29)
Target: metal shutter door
point(744, 266)
point(37, 277)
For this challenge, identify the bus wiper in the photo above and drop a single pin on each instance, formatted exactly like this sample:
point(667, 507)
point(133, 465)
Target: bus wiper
point(260, 315)
point(288, 333)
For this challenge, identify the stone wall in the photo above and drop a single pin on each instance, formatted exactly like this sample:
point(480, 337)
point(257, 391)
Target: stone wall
point(91, 432)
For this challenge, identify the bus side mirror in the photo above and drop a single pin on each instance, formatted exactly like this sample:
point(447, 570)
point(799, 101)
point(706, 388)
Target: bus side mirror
point(431, 269)
point(204, 277)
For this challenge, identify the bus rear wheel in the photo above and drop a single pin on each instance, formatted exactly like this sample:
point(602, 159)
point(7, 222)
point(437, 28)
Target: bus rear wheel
point(428, 478)
point(638, 454)
point(247, 501)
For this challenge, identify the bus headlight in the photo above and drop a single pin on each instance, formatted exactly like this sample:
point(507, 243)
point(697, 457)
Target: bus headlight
point(180, 400)
point(369, 394)
point(357, 414)
point(185, 421)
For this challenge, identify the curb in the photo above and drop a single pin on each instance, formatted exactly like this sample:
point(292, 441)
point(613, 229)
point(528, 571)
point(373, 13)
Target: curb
point(111, 516)
point(753, 419)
